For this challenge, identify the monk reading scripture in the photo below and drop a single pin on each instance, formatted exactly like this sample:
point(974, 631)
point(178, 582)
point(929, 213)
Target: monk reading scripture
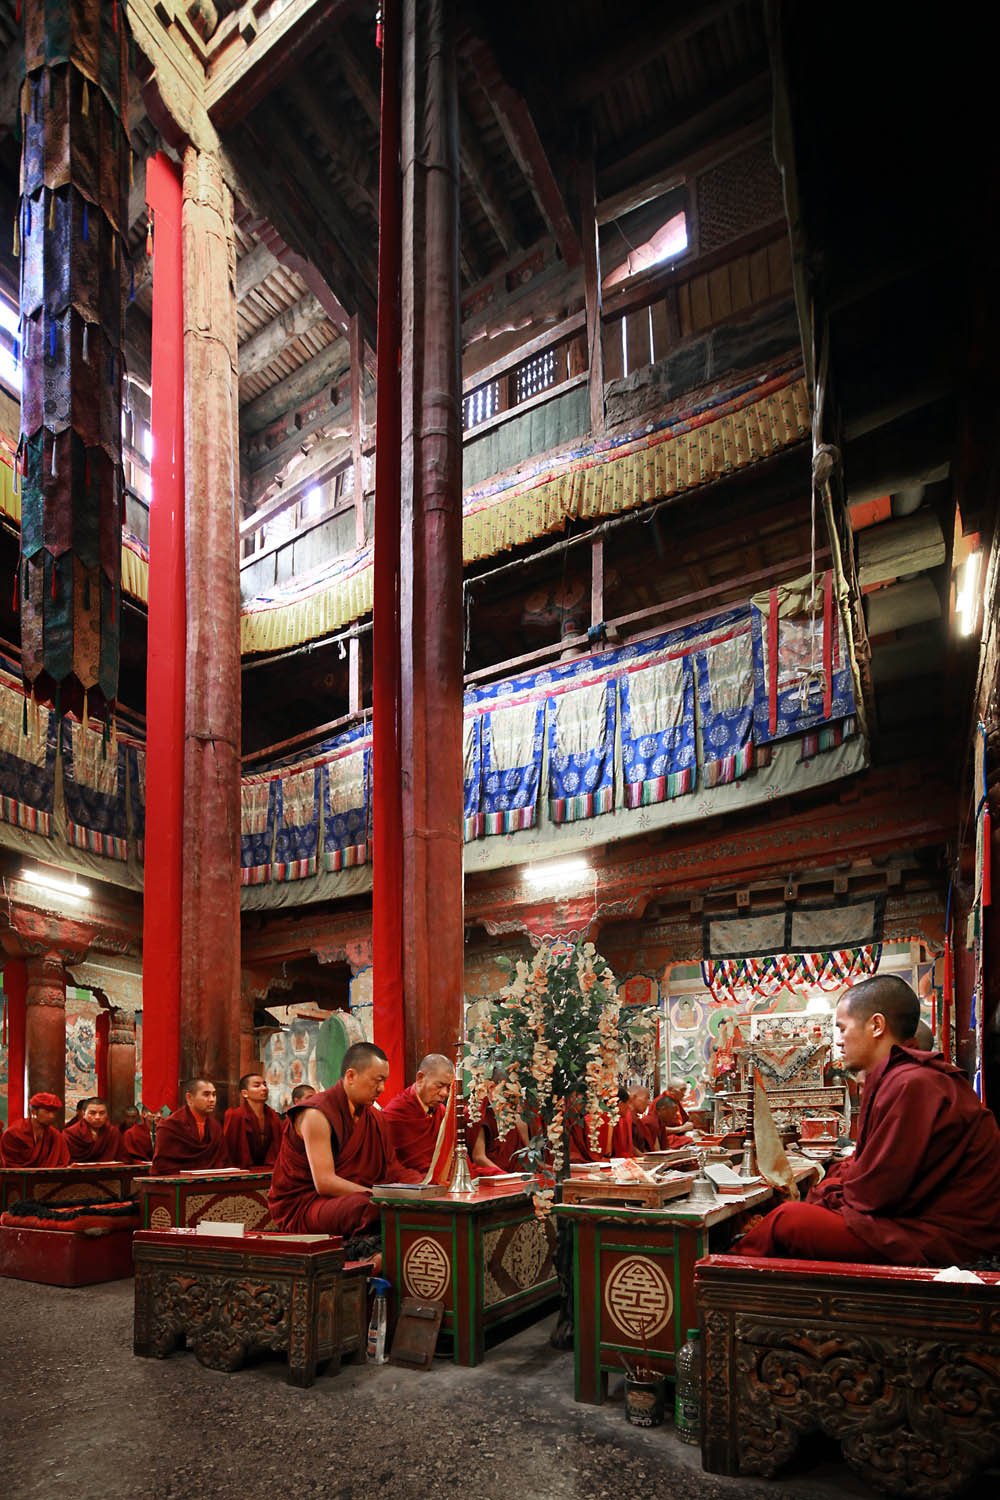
point(253, 1130)
point(93, 1138)
point(35, 1142)
point(334, 1149)
point(191, 1139)
point(413, 1118)
point(137, 1140)
point(923, 1184)
point(671, 1120)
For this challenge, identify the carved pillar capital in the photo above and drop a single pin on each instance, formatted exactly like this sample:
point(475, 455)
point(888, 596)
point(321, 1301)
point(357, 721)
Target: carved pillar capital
point(46, 979)
point(121, 1032)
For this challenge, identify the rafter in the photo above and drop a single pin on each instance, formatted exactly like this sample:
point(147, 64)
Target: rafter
point(255, 267)
point(326, 369)
point(264, 346)
point(335, 135)
point(479, 174)
point(663, 28)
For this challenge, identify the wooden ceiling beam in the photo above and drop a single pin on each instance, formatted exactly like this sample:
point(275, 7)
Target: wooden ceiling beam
point(264, 346)
point(359, 81)
point(521, 134)
point(639, 45)
point(479, 175)
point(326, 369)
point(337, 138)
point(255, 267)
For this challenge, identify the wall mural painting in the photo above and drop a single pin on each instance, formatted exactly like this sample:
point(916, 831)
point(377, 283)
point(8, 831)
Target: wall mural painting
point(81, 1056)
point(290, 1058)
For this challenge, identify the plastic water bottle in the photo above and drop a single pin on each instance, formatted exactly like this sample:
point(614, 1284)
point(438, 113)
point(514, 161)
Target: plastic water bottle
point(378, 1326)
point(687, 1395)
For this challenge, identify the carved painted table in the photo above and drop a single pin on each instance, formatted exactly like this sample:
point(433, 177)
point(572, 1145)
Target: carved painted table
point(633, 1280)
point(86, 1182)
point(184, 1200)
point(230, 1296)
point(486, 1256)
point(903, 1370)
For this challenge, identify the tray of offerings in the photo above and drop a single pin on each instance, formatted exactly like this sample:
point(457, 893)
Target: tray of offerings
point(636, 1193)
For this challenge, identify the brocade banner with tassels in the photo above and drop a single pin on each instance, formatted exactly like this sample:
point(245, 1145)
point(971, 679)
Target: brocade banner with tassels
point(725, 706)
point(512, 764)
point(658, 752)
point(472, 778)
point(257, 803)
point(296, 839)
point(93, 767)
point(346, 799)
point(27, 759)
point(802, 673)
point(581, 751)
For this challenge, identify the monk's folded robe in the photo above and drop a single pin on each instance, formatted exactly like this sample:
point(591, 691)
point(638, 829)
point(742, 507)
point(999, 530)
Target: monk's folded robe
point(18, 1147)
point(473, 1130)
point(249, 1143)
point(362, 1153)
point(181, 1146)
point(412, 1130)
point(922, 1187)
point(137, 1143)
point(84, 1145)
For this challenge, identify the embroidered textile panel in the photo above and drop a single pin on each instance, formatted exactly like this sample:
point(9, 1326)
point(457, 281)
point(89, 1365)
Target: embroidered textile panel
point(806, 680)
point(345, 808)
point(94, 790)
point(658, 751)
point(27, 761)
point(137, 796)
point(472, 760)
point(258, 796)
point(582, 752)
point(296, 841)
point(512, 759)
point(725, 704)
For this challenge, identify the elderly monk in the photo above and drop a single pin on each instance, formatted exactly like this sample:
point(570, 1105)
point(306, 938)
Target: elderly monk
point(93, 1138)
point(923, 1184)
point(137, 1140)
point(191, 1139)
point(253, 1129)
point(413, 1118)
point(35, 1142)
point(630, 1137)
point(334, 1149)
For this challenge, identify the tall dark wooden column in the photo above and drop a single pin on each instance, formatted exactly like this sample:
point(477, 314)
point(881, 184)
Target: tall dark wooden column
point(45, 1024)
point(431, 563)
point(210, 932)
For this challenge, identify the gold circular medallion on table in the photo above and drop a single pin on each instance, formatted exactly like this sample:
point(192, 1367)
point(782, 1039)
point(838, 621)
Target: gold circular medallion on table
point(426, 1271)
point(639, 1297)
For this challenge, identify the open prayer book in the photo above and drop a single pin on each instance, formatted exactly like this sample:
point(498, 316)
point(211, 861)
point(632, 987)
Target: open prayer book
point(410, 1189)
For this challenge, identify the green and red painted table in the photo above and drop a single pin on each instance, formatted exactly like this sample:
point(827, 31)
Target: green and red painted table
point(485, 1256)
point(85, 1182)
point(633, 1278)
point(185, 1200)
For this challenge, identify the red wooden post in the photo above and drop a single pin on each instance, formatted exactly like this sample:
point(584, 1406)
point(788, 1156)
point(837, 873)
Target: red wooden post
point(45, 1024)
point(15, 988)
point(210, 928)
point(121, 1061)
point(431, 510)
point(161, 911)
point(102, 1029)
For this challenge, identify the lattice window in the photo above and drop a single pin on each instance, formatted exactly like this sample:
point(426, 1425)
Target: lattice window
point(480, 405)
point(535, 375)
point(738, 195)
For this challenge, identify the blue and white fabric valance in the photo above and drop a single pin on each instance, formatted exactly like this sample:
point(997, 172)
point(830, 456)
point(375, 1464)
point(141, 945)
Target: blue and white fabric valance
point(512, 758)
point(345, 806)
point(94, 789)
point(802, 673)
point(296, 839)
point(725, 706)
point(258, 796)
point(582, 751)
point(472, 760)
point(27, 761)
point(658, 751)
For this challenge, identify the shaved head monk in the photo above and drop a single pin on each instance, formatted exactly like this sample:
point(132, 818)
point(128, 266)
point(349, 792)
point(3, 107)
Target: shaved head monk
point(922, 1039)
point(670, 1119)
point(488, 1149)
point(253, 1129)
point(333, 1151)
point(302, 1091)
point(413, 1118)
point(191, 1138)
point(93, 1137)
point(137, 1139)
point(923, 1185)
point(36, 1142)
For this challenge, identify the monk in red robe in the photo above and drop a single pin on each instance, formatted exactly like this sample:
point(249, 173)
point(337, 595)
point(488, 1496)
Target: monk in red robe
point(191, 1139)
point(923, 1184)
point(253, 1129)
point(630, 1137)
point(137, 1139)
point(93, 1138)
point(670, 1119)
point(334, 1150)
point(413, 1118)
point(35, 1142)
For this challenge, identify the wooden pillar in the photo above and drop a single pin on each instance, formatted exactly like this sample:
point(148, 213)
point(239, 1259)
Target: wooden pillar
point(210, 933)
point(592, 293)
point(248, 1038)
point(15, 987)
point(45, 1024)
point(357, 383)
point(102, 1047)
point(121, 1061)
point(431, 563)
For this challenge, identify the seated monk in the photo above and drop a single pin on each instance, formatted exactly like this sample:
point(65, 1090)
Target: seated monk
point(490, 1152)
point(335, 1148)
point(922, 1186)
point(93, 1138)
point(672, 1123)
point(630, 1136)
point(299, 1092)
point(191, 1139)
point(253, 1129)
point(413, 1118)
point(130, 1117)
point(137, 1140)
point(35, 1142)
point(580, 1148)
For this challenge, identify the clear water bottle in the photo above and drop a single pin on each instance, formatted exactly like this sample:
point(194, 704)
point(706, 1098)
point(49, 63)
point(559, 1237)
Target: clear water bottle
point(687, 1395)
point(378, 1326)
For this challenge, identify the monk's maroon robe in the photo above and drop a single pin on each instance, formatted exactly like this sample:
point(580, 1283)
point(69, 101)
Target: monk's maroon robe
point(137, 1142)
point(923, 1185)
point(473, 1130)
point(412, 1130)
point(501, 1149)
point(18, 1147)
point(665, 1141)
point(179, 1148)
point(248, 1142)
point(85, 1146)
point(362, 1153)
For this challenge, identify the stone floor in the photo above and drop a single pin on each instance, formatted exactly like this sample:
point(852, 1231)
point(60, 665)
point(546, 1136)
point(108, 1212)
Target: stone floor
point(95, 1423)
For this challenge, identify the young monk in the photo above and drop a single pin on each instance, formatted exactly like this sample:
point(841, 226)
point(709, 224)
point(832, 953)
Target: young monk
point(137, 1140)
point(35, 1142)
point(334, 1149)
point(489, 1151)
point(93, 1138)
point(923, 1184)
point(253, 1129)
point(413, 1118)
point(191, 1138)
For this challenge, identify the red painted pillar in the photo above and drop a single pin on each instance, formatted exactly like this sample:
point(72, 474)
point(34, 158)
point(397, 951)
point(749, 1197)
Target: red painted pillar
point(45, 1024)
point(431, 515)
point(387, 840)
point(210, 928)
point(121, 1062)
point(15, 988)
point(102, 1028)
point(161, 930)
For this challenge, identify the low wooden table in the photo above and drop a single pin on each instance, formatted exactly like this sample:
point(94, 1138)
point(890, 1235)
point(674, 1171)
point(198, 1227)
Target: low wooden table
point(185, 1200)
point(486, 1256)
point(85, 1182)
point(230, 1296)
point(633, 1279)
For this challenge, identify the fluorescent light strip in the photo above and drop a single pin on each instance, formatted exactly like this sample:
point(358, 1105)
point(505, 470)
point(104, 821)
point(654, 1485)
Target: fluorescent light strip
point(72, 890)
point(565, 871)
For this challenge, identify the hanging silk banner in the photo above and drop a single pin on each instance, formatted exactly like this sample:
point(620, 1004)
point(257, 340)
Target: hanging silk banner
point(658, 752)
point(582, 752)
point(802, 674)
point(472, 759)
point(257, 800)
point(512, 758)
point(27, 760)
point(136, 761)
point(93, 775)
point(345, 806)
point(725, 704)
point(296, 840)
